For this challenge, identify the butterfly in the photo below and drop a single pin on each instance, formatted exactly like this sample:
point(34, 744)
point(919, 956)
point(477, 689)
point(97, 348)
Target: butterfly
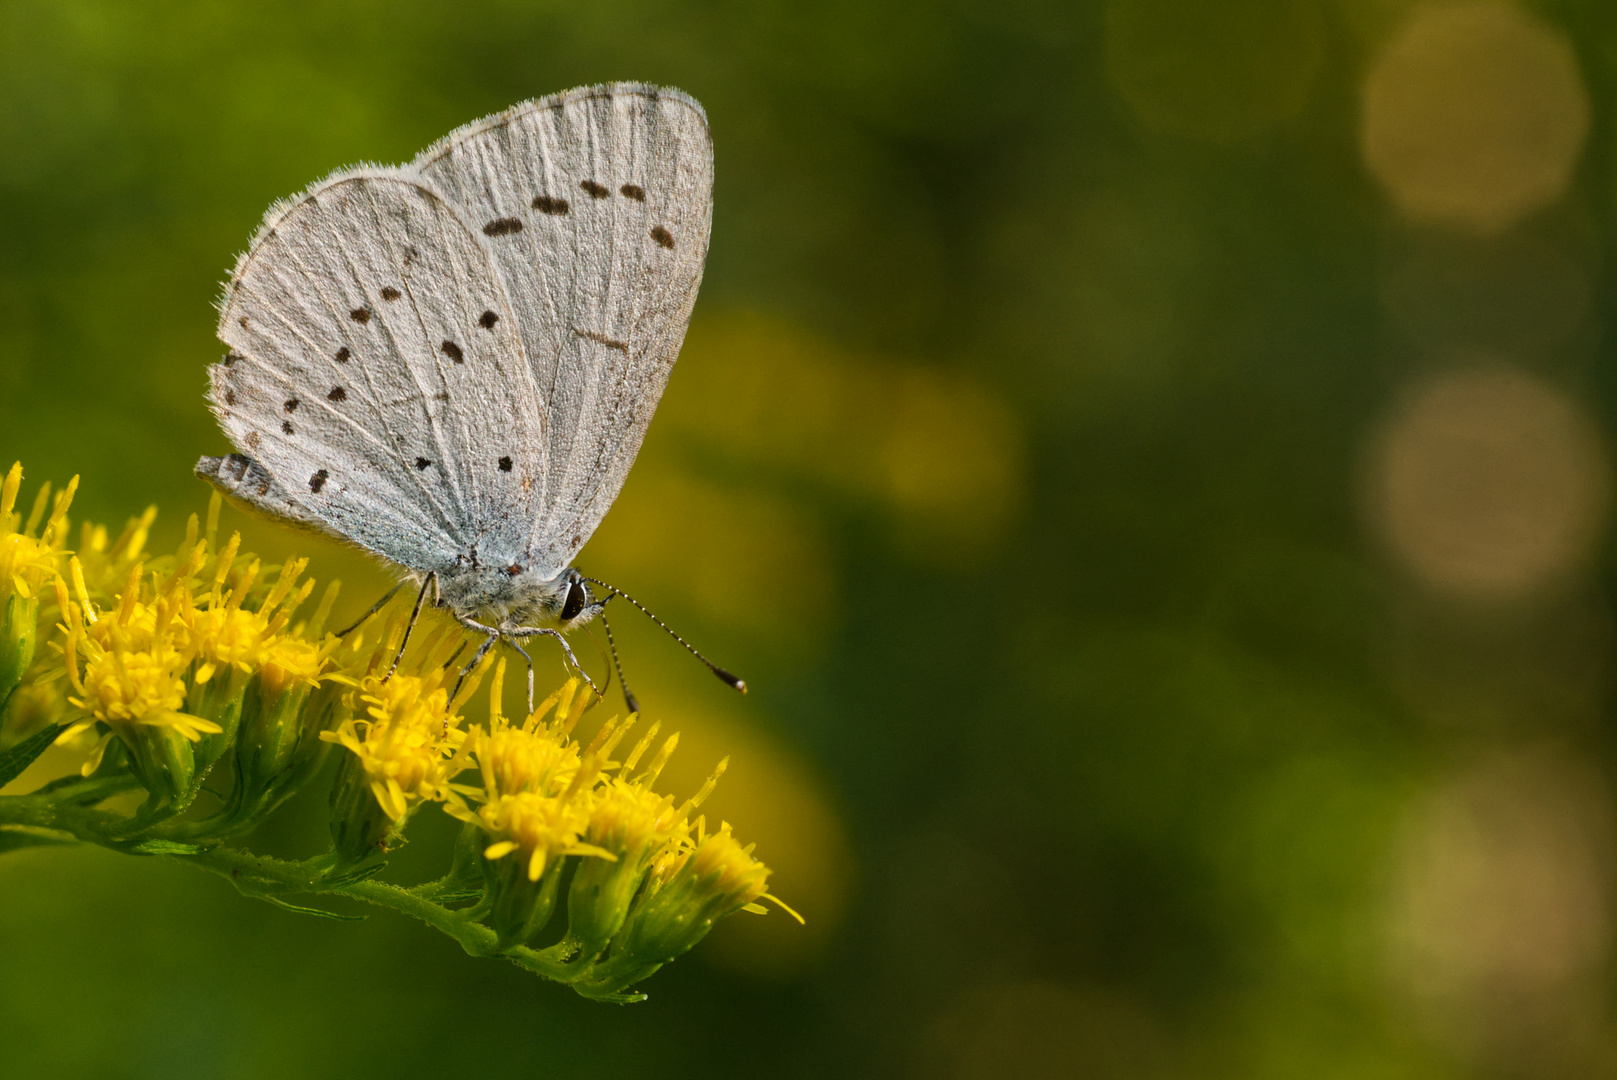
point(452, 363)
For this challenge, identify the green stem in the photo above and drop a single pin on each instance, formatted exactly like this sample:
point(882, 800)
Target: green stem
point(257, 873)
point(260, 875)
point(80, 821)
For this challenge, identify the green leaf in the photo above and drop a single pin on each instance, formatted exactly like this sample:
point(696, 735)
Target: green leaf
point(625, 998)
point(353, 877)
point(165, 847)
point(301, 910)
point(13, 837)
point(19, 757)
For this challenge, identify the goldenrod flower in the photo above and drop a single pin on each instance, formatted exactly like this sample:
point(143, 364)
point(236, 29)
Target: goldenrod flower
point(630, 817)
point(404, 750)
point(723, 869)
point(406, 742)
point(151, 658)
point(538, 826)
point(135, 661)
point(225, 634)
point(164, 663)
point(537, 791)
point(27, 560)
point(285, 662)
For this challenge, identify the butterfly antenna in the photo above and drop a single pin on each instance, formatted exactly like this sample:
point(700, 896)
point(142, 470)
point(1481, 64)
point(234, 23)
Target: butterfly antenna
point(606, 683)
point(630, 702)
point(732, 681)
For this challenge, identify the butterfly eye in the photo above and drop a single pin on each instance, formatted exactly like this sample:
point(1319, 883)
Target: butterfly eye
point(577, 597)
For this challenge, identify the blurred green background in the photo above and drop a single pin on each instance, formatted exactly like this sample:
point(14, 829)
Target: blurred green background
point(1151, 460)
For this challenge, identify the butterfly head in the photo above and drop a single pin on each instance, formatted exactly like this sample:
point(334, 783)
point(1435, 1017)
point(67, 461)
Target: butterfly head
point(563, 602)
point(517, 597)
point(578, 606)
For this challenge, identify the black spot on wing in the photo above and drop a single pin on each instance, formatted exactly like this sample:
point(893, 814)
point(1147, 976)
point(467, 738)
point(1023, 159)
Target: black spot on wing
point(451, 350)
point(422, 463)
point(549, 204)
point(504, 226)
point(634, 191)
point(487, 320)
point(663, 236)
point(291, 405)
point(337, 394)
point(505, 464)
point(318, 480)
point(343, 355)
point(596, 191)
point(230, 397)
point(390, 293)
point(360, 315)
point(286, 427)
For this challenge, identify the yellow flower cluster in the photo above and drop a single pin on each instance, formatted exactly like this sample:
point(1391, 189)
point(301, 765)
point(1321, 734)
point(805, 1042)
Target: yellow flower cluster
point(30, 556)
point(534, 798)
point(28, 560)
point(408, 740)
point(148, 659)
point(160, 666)
point(545, 796)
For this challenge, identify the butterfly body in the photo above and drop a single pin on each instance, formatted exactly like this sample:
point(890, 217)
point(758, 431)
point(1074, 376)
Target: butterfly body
point(452, 363)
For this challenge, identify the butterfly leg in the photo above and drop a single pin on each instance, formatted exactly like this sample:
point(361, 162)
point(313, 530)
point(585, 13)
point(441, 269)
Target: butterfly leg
point(390, 594)
point(530, 631)
point(482, 650)
point(430, 579)
point(513, 643)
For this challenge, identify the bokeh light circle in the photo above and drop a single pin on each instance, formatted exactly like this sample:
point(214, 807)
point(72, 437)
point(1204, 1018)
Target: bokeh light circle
point(1488, 483)
point(1501, 905)
point(1475, 115)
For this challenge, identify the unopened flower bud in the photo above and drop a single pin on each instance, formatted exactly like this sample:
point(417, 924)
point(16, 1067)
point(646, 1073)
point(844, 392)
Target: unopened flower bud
point(716, 879)
point(360, 828)
point(19, 617)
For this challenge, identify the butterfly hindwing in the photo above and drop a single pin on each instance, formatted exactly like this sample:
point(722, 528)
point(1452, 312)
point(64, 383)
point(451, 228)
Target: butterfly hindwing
point(596, 204)
point(376, 374)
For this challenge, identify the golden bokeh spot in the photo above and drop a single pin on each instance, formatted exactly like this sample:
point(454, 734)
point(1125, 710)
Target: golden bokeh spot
point(1489, 484)
point(745, 558)
point(1218, 70)
point(941, 452)
point(1501, 905)
point(1475, 115)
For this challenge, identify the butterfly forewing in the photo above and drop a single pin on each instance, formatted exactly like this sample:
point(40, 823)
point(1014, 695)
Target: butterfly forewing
point(596, 205)
point(376, 371)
